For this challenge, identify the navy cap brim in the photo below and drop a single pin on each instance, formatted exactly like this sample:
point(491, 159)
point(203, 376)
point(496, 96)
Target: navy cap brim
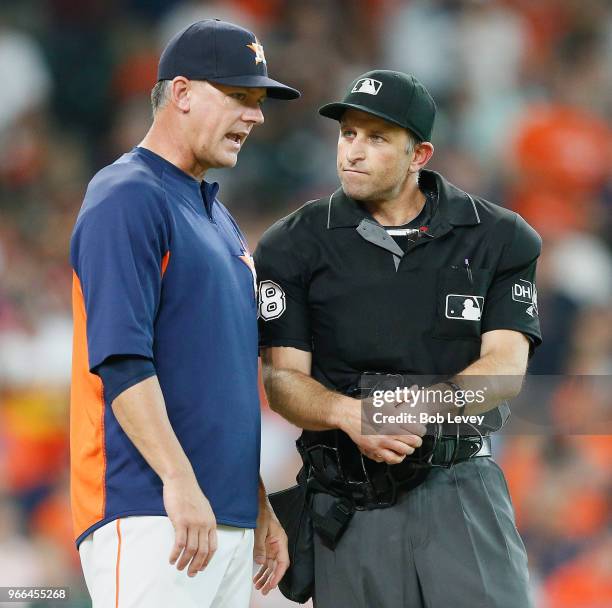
point(275, 89)
point(337, 109)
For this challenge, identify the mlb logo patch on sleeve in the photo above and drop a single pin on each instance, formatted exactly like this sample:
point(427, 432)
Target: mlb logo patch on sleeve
point(464, 307)
point(367, 85)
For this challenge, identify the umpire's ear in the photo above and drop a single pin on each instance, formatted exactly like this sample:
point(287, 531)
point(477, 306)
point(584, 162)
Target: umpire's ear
point(421, 155)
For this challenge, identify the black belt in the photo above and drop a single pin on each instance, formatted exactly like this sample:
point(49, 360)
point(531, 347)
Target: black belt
point(323, 473)
point(449, 451)
point(381, 482)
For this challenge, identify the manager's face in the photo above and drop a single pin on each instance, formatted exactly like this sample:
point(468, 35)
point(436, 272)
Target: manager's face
point(373, 157)
point(220, 119)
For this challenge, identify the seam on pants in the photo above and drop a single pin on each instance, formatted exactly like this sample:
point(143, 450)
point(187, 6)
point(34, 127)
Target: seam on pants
point(497, 520)
point(117, 563)
point(425, 493)
point(477, 560)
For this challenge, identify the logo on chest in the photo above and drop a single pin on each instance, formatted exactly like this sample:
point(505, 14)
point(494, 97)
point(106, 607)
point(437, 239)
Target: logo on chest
point(247, 259)
point(464, 307)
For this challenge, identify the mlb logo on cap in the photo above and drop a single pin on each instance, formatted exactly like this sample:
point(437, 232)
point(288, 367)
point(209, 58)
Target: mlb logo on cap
point(367, 85)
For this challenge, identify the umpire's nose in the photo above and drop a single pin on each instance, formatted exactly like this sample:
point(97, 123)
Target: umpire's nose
point(355, 151)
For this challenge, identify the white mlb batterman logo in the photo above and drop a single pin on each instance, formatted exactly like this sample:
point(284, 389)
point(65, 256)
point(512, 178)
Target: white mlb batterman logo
point(464, 307)
point(272, 301)
point(367, 85)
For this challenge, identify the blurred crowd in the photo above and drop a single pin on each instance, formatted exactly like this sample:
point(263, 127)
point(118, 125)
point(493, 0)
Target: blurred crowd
point(524, 90)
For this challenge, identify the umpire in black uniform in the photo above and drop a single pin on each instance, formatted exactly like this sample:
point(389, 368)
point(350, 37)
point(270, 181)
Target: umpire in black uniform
point(401, 272)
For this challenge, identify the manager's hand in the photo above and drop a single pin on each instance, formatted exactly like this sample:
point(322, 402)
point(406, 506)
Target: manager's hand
point(194, 524)
point(270, 550)
point(391, 449)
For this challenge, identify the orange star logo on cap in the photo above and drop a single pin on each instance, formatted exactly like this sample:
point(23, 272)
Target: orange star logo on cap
point(258, 50)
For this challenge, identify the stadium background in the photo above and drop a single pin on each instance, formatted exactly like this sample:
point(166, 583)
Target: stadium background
point(525, 95)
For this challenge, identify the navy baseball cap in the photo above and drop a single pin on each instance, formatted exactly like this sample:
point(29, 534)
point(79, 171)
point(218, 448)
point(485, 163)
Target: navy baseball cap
point(394, 96)
point(223, 53)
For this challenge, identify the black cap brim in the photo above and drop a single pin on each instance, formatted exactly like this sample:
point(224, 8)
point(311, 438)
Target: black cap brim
point(337, 109)
point(275, 89)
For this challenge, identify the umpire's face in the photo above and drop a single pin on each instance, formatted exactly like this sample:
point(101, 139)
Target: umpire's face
point(374, 157)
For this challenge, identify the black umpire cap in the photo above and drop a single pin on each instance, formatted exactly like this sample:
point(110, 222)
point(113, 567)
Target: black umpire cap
point(394, 96)
point(223, 53)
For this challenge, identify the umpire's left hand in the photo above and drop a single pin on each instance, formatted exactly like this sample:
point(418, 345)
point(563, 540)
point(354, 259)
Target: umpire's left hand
point(270, 550)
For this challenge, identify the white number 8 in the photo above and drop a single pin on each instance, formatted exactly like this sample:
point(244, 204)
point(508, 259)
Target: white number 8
point(272, 302)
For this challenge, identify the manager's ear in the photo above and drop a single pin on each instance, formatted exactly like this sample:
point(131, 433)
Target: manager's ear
point(180, 93)
point(421, 155)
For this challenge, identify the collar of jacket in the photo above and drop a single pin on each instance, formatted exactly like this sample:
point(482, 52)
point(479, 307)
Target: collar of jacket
point(455, 207)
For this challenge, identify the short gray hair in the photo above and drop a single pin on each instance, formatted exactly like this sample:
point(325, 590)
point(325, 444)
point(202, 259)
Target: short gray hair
point(413, 141)
point(160, 95)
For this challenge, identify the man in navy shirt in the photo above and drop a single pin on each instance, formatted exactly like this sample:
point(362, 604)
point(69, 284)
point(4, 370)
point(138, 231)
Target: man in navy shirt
point(165, 423)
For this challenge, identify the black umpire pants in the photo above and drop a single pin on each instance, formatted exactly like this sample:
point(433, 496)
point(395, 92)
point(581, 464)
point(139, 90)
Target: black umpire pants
point(449, 543)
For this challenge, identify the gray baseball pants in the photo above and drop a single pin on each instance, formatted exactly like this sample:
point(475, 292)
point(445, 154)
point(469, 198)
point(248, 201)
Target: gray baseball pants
point(449, 543)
